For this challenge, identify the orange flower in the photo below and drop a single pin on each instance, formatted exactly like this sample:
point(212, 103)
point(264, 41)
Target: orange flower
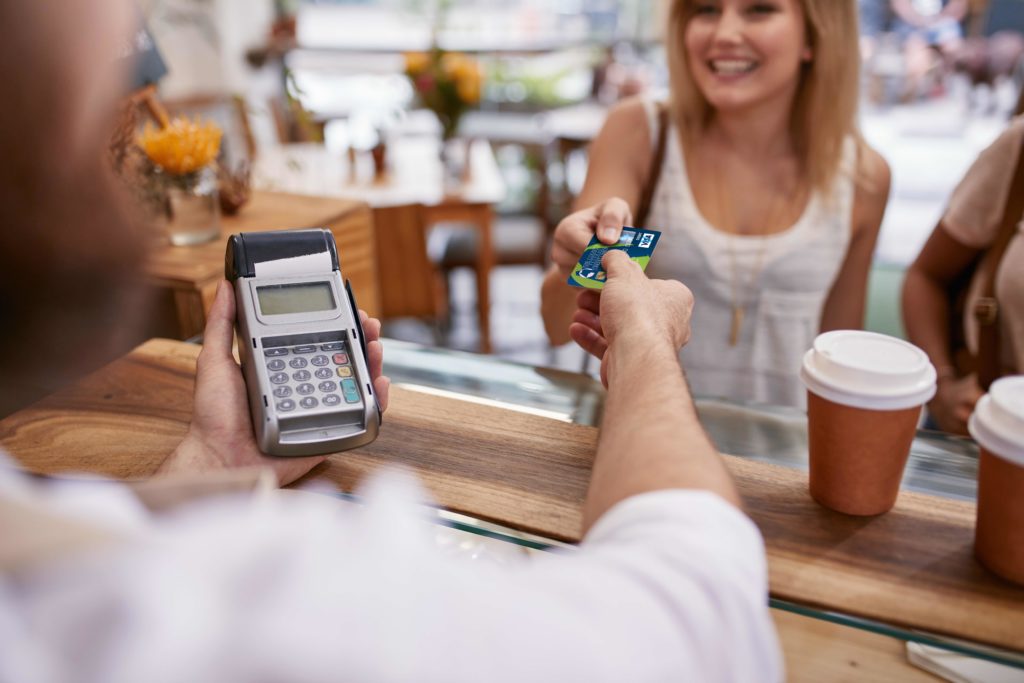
point(183, 146)
point(447, 83)
point(416, 63)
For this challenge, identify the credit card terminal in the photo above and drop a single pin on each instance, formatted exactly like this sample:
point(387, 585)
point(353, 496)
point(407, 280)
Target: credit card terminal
point(301, 344)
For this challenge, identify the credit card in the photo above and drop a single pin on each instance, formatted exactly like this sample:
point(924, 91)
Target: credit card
point(638, 245)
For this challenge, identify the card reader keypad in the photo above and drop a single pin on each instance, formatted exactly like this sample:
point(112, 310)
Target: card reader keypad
point(334, 382)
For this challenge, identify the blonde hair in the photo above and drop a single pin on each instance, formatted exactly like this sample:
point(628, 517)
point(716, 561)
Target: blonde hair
point(825, 105)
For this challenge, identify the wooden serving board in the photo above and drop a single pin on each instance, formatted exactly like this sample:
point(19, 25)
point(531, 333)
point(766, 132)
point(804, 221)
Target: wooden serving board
point(912, 567)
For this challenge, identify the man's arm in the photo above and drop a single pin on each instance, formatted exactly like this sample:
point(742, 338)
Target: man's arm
point(650, 438)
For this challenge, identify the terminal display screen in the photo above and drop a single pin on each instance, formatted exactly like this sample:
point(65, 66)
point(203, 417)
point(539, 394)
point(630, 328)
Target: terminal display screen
point(300, 298)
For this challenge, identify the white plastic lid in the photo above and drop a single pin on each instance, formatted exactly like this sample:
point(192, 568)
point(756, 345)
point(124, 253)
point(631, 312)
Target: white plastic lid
point(868, 370)
point(998, 420)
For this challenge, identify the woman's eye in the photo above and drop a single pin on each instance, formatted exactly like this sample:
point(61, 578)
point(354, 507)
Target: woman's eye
point(705, 8)
point(762, 8)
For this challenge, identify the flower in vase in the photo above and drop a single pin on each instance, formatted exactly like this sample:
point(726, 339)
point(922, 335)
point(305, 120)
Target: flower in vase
point(447, 83)
point(183, 147)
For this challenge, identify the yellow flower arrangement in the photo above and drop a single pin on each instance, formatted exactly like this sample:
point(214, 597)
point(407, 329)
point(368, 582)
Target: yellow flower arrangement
point(447, 83)
point(183, 147)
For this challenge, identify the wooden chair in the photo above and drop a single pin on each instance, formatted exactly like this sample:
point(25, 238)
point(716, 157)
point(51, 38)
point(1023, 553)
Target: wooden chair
point(409, 284)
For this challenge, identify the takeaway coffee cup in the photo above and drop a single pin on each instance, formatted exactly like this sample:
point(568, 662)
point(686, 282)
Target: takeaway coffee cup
point(864, 396)
point(998, 426)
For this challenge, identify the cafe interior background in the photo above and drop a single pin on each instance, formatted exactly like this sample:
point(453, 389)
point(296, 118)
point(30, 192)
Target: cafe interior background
point(326, 101)
point(283, 77)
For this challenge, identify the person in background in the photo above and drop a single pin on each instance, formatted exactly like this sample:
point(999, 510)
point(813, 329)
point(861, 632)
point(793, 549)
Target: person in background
point(874, 18)
point(769, 200)
point(931, 35)
point(969, 227)
point(669, 583)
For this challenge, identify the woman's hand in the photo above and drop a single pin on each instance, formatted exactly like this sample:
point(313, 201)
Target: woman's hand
point(575, 231)
point(954, 402)
point(221, 434)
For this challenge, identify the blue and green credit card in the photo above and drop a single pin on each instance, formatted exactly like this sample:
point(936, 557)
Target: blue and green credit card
point(638, 245)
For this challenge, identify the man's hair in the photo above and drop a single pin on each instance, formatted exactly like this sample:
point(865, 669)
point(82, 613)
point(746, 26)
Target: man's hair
point(67, 246)
point(825, 105)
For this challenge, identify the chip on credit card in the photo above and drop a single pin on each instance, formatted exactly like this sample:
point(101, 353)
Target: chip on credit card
point(638, 245)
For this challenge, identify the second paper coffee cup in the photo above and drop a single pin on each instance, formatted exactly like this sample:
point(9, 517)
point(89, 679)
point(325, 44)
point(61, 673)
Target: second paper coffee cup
point(997, 424)
point(864, 396)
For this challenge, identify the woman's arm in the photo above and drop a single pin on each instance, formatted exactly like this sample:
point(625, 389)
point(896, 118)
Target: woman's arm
point(926, 317)
point(844, 307)
point(619, 159)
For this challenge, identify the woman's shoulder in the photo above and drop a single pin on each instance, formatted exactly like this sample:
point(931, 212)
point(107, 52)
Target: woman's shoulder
point(872, 180)
point(1009, 141)
point(870, 174)
point(632, 114)
point(627, 129)
point(976, 205)
point(872, 169)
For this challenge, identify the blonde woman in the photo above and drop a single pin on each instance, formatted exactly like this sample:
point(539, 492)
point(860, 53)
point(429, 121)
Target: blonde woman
point(769, 200)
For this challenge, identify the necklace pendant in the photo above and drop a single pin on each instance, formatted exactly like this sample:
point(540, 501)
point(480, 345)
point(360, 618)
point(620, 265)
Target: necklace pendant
point(737, 323)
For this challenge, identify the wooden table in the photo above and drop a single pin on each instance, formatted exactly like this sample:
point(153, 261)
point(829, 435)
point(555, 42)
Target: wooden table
point(189, 275)
point(911, 568)
point(414, 180)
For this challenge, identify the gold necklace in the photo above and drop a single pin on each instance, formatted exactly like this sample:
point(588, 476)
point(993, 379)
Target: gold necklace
point(732, 227)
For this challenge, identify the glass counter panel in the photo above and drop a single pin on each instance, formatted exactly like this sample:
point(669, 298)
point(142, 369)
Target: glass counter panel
point(939, 464)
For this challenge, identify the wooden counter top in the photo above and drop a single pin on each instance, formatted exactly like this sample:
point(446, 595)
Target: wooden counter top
point(912, 567)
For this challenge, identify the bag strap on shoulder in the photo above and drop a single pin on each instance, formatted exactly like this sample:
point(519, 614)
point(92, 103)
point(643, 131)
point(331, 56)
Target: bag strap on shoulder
point(654, 172)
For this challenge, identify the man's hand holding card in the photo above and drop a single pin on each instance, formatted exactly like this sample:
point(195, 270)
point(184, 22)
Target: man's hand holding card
point(637, 243)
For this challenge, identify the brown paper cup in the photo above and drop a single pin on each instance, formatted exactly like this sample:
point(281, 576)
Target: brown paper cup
point(857, 456)
point(999, 534)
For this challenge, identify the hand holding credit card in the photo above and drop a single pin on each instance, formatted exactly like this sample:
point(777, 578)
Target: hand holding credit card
point(638, 245)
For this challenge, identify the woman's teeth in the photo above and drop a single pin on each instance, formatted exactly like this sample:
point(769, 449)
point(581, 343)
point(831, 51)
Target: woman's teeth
point(732, 66)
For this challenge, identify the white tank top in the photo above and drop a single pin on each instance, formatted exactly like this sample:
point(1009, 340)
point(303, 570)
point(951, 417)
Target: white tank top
point(782, 305)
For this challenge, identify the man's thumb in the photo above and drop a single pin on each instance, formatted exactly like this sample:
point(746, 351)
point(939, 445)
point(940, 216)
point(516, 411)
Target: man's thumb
point(617, 264)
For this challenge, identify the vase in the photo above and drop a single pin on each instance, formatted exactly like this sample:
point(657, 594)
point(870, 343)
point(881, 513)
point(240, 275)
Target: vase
point(454, 155)
point(195, 207)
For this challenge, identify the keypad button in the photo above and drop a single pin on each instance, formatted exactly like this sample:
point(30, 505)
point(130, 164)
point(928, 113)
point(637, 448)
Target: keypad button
point(348, 386)
point(320, 361)
point(328, 387)
point(345, 371)
point(351, 398)
point(301, 375)
point(298, 363)
point(333, 346)
point(324, 373)
point(279, 378)
point(309, 402)
point(332, 400)
point(275, 352)
point(305, 389)
point(341, 359)
point(286, 405)
point(275, 365)
point(309, 348)
point(282, 392)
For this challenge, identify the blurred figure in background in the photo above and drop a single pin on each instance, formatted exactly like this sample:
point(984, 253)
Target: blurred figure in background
point(978, 240)
point(932, 36)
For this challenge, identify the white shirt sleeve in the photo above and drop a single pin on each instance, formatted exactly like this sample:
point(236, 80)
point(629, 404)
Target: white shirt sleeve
point(669, 586)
